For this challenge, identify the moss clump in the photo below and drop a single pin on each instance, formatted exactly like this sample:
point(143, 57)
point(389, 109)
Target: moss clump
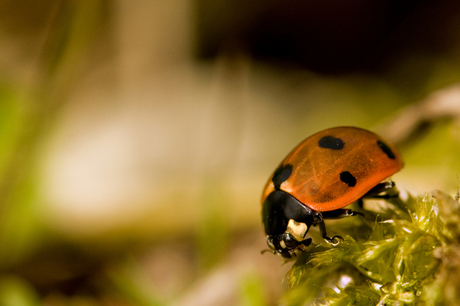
point(401, 253)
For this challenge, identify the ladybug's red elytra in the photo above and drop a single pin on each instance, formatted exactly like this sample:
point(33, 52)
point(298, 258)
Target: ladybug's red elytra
point(324, 173)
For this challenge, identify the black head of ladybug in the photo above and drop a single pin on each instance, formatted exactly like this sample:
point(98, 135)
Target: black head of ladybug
point(286, 222)
point(285, 244)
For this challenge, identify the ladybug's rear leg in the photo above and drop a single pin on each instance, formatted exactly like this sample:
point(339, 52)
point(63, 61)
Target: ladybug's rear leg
point(384, 190)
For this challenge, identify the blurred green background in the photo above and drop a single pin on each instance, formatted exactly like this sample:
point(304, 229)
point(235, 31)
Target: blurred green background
point(136, 136)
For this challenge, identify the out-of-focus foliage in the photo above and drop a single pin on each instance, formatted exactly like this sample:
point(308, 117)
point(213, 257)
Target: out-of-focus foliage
point(16, 292)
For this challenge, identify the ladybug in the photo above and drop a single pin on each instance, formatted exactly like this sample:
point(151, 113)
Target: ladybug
point(326, 172)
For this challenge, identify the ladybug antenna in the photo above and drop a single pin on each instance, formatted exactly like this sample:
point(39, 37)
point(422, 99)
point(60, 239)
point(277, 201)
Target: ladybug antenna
point(267, 250)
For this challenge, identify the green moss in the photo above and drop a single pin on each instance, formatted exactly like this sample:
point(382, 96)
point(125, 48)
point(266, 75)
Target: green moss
point(404, 254)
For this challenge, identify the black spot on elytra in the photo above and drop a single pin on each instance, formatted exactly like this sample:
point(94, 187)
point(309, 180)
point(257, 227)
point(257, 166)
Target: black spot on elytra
point(329, 142)
point(386, 149)
point(281, 174)
point(348, 178)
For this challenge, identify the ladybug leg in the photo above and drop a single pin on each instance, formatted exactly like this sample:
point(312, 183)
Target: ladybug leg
point(334, 240)
point(388, 188)
point(335, 214)
point(340, 213)
point(306, 242)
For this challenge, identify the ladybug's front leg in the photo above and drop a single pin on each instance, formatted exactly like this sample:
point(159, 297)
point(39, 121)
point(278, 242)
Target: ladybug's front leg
point(334, 240)
point(334, 214)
